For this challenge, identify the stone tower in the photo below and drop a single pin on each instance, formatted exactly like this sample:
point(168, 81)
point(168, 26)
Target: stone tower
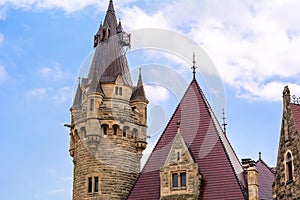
point(287, 176)
point(108, 120)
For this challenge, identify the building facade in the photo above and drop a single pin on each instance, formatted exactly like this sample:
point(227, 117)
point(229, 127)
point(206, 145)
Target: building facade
point(193, 158)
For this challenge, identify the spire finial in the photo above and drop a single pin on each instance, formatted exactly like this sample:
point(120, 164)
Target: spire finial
point(224, 121)
point(79, 80)
point(259, 155)
point(194, 67)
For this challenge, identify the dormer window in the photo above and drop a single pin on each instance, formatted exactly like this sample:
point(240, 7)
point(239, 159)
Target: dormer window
point(118, 91)
point(179, 180)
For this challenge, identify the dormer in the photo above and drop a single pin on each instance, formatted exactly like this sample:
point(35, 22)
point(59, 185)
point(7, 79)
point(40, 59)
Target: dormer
point(179, 177)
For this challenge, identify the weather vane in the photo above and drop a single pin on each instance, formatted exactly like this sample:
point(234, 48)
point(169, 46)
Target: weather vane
point(224, 121)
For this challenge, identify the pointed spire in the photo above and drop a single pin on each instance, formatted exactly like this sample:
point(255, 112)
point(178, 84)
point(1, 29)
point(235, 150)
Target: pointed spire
point(120, 28)
point(194, 67)
point(77, 100)
point(95, 84)
point(139, 92)
point(111, 7)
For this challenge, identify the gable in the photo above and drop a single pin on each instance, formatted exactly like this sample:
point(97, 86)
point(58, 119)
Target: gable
point(179, 152)
point(208, 146)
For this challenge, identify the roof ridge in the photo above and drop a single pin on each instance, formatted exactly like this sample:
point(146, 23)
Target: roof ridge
point(218, 128)
point(177, 107)
point(263, 162)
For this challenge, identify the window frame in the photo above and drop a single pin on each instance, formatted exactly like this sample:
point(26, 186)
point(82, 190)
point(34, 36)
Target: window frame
point(177, 179)
point(289, 167)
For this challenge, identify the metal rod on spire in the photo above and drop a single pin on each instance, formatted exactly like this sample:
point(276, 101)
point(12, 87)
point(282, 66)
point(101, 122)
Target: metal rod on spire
point(224, 121)
point(194, 66)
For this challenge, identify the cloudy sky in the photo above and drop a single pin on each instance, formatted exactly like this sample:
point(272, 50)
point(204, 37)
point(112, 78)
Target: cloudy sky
point(253, 45)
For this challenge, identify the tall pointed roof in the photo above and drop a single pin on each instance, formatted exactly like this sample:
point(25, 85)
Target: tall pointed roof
point(139, 92)
point(109, 58)
point(221, 170)
point(95, 85)
point(77, 100)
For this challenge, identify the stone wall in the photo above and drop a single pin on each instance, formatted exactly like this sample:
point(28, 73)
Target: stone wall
point(289, 142)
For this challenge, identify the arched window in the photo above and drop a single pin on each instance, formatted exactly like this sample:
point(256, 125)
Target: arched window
point(134, 133)
point(289, 167)
point(125, 130)
point(115, 127)
point(104, 129)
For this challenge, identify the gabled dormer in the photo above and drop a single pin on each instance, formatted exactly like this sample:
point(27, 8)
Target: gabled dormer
point(179, 177)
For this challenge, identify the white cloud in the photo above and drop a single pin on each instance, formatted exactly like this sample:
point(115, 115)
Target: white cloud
point(156, 94)
point(3, 74)
point(37, 92)
point(54, 73)
point(259, 43)
point(68, 6)
point(62, 95)
point(1, 37)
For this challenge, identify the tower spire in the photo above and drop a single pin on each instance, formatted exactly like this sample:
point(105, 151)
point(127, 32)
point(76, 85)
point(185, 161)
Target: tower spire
point(194, 67)
point(224, 121)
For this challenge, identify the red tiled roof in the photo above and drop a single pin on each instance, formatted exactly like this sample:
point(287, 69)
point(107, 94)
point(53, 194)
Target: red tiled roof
point(296, 114)
point(218, 164)
point(265, 180)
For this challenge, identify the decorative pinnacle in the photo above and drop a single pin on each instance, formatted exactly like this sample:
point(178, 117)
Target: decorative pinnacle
point(79, 80)
point(194, 67)
point(259, 155)
point(224, 121)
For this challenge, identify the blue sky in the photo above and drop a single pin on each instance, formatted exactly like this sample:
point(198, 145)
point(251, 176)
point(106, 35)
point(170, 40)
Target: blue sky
point(254, 47)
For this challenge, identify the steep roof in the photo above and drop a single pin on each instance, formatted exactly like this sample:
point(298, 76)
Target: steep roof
point(296, 114)
point(78, 95)
point(220, 168)
point(95, 85)
point(109, 59)
point(139, 92)
point(265, 180)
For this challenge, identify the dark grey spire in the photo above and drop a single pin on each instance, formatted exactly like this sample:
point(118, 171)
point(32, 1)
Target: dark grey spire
point(77, 100)
point(138, 93)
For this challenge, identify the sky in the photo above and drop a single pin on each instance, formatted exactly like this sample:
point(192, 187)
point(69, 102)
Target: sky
point(254, 46)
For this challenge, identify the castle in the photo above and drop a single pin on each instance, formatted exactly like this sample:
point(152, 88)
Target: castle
point(192, 159)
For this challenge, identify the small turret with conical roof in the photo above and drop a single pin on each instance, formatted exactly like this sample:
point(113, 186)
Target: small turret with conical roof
point(139, 101)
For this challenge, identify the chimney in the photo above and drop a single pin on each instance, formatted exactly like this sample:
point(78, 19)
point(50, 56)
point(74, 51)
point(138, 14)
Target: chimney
point(252, 174)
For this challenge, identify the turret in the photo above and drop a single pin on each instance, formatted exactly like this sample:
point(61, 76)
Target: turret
point(94, 96)
point(138, 100)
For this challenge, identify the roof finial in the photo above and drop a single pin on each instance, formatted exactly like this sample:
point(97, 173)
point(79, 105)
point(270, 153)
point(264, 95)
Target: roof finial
point(178, 124)
point(224, 121)
point(194, 66)
point(259, 155)
point(79, 80)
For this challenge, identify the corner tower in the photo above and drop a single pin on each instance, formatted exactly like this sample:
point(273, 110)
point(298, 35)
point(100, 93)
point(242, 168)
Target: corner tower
point(108, 120)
